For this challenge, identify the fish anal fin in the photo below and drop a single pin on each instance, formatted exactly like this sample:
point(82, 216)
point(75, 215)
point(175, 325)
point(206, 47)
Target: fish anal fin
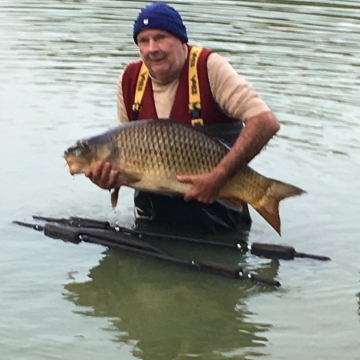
point(115, 197)
point(233, 201)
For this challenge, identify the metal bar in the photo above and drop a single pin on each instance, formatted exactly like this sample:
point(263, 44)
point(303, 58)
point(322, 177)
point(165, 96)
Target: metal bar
point(65, 232)
point(28, 225)
point(312, 256)
point(158, 236)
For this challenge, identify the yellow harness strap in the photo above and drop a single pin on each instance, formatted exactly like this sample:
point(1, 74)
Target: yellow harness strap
point(194, 88)
point(139, 90)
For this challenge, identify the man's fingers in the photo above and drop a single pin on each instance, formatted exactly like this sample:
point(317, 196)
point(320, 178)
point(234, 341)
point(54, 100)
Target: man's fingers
point(104, 173)
point(184, 179)
point(103, 176)
point(188, 197)
point(89, 174)
point(113, 179)
point(95, 173)
point(191, 194)
point(203, 199)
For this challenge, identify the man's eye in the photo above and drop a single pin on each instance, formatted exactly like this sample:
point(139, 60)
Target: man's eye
point(161, 37)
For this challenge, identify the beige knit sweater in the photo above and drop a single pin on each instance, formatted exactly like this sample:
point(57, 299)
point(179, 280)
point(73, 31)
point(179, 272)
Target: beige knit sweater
point(233, 93)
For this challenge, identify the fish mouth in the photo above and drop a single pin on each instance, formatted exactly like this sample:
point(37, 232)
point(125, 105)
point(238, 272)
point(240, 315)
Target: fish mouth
point(72, 163)
point(72, 171)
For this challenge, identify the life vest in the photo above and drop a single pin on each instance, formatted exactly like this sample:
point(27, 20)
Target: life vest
point(193, 104)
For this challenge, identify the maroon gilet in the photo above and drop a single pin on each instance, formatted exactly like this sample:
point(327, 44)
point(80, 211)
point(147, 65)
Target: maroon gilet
point(210, 110)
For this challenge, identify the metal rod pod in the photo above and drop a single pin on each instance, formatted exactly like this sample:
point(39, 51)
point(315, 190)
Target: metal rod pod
point(273, 251)
point(312, 256)
point(65, 233)
point(75, 234)
point(31, 226)
point(84, 222)
point(234, 272)
point(220, 269)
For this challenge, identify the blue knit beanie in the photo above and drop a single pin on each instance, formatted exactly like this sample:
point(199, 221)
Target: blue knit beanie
point(160, 16)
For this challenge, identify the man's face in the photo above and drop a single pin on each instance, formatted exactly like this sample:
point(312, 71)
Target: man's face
point(163, 54)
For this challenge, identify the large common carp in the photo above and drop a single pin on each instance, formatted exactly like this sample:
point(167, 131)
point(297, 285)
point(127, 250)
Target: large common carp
point(149, 154)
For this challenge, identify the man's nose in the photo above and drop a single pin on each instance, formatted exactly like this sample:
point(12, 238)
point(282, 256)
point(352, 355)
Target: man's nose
point(153, 45)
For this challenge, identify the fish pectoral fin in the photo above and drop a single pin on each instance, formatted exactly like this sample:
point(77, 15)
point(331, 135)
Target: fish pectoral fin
point(115, 197)
point(233, 201)
point(130, 177)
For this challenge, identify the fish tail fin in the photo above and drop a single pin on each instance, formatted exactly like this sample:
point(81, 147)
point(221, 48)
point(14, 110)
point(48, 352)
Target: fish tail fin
point(270, 212)
point(268, 205)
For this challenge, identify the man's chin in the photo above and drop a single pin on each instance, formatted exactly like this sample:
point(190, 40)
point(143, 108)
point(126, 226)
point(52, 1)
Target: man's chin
point(160, 71)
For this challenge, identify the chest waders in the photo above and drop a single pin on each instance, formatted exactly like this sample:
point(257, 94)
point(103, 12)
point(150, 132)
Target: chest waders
point(175, 210)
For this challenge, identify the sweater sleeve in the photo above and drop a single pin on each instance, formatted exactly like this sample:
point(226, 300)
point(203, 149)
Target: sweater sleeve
point(121, 110)
point(232, 92)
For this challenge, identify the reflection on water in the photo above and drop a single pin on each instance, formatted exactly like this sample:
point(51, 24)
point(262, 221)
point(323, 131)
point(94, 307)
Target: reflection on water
point(166, 314)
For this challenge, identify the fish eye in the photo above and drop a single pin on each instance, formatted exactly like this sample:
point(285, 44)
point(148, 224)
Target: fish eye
point(79, 149)
point(77, 152)
point(82, 145)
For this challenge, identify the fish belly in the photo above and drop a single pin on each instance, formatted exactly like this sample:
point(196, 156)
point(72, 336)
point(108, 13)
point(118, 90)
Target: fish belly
point(161, 185)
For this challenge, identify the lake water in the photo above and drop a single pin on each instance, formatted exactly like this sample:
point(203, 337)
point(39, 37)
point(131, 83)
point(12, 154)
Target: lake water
point(59, 64)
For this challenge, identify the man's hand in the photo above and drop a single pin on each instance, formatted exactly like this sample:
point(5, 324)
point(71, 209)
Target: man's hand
point(104, 176)
point(205, 187)
point(258, 130)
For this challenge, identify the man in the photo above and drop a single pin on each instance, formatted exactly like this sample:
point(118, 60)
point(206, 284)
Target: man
point(163, 85)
